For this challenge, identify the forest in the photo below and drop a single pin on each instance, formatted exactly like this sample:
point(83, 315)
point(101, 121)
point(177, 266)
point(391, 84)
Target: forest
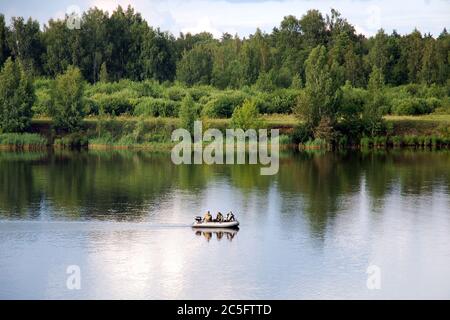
point(338, 84)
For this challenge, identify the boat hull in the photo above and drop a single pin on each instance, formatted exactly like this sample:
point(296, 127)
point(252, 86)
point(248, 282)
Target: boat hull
point(216, 225)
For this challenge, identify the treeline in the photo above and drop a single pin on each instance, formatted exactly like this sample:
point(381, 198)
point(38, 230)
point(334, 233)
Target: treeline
point(339, 84)
point(110, 47)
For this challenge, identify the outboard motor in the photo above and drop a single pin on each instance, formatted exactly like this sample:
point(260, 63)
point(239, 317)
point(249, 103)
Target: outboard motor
point(198, 219)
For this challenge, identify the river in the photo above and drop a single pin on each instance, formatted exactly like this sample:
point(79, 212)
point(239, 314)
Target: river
point(316, 230)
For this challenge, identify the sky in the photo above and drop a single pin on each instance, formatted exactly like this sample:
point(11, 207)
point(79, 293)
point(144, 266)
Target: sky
point(244, 16)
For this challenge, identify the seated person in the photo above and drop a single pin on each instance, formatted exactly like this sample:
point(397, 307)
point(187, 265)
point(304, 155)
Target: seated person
point(207, 217)
point(230, 216)
point(219, 217)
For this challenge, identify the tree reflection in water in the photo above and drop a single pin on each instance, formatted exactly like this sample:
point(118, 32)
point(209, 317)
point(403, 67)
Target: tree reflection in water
point(144, 186)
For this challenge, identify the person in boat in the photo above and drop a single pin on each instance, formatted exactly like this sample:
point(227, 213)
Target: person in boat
point(230, 217)
point(207, 217)
point(219, 217)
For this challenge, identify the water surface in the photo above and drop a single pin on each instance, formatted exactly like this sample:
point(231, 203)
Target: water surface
point(311, 231)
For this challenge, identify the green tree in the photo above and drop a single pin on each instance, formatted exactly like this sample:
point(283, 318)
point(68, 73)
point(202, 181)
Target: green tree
point(443, 57)
point(158, 56)
point(429, 72)
point(58, 53)
point(320, 98)
point(265, 82)
point(104, 75)
point(227, 69)
point(25, 42)
point(297, 82)
point(195, 67)
point(4, 50)
point(138, 29)
point(246, 116)
point(375, 105)
point(288, 51)
point(16, 97)
point(66, 97)
point(119, 32)
point(255, 57)
point(92, 47)
point(379, 52)
point(313, 29)
point(414, 45)
point(188, 113)
point(396, 73)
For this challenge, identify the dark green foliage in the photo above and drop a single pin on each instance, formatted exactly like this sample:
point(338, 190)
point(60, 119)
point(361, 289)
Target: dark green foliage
point(25, 44)
point(58, 52)
point(196, 66)
point(4, 49)
point(157, 107)
point(158, 56)
point(16, 97)
point(321, 97)
point(128, 47)
point(302, 133)
point(338, 82)
point(72, 141)
point(222, 105)
point(414, 106)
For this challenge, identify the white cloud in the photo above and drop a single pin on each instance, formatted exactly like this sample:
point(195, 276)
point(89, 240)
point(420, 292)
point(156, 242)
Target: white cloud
point(244, 17)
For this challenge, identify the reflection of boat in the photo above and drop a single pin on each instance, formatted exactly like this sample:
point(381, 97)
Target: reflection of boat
point(232, 231)
point(225, 224)
point(229, 233)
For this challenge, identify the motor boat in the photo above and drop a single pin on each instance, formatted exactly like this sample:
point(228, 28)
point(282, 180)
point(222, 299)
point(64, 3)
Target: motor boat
point(199, 223)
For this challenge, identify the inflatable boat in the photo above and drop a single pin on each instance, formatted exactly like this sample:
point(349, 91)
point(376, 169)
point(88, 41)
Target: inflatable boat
point(198, 223)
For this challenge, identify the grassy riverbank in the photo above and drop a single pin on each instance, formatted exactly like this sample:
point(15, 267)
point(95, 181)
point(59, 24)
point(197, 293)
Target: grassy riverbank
point(154, 133)
point(22, 141)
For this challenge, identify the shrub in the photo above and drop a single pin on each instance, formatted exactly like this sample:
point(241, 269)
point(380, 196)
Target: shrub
point(301, 134)
point(112, 104)
point(156, 107)
point(265, 82)
point(188, 113)
point(316, 144)
point(343, 142)
point(435, 141)
point(91, 107)
point(411, 141)
point(199, 92)
point(285, 139)
point(246, 116)
point(380, 141)
point(415, 106)
point(352, 103)
point(397, 141)
point(71, 141)
point(42, 103)
point(223, 105)
point(175, 93)
point(366, 142)
point(282, 101)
